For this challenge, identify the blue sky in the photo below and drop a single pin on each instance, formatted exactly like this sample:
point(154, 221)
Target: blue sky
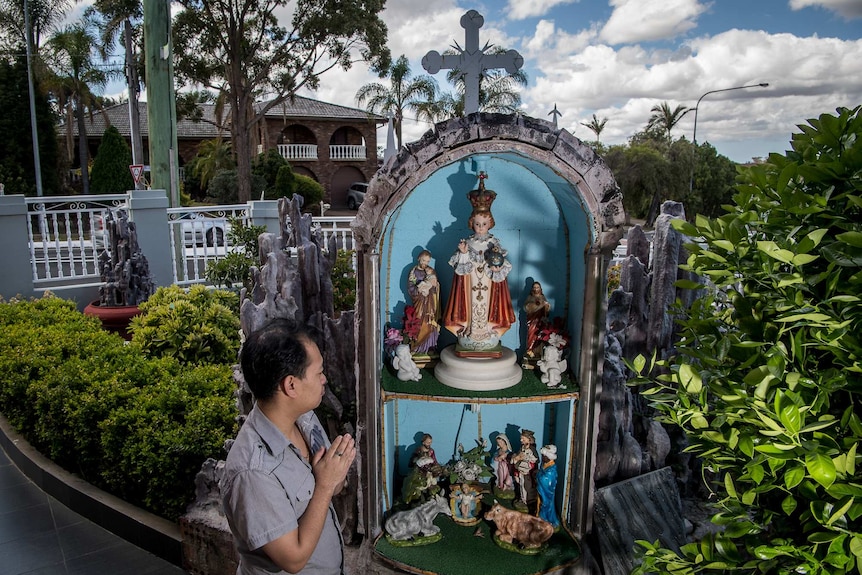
point(619, 58)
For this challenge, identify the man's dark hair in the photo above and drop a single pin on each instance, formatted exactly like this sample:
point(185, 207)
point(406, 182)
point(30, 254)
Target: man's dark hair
point(274, 352)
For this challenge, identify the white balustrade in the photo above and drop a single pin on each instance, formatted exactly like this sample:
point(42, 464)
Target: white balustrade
point(298, 151)
point(66, 236)
point(342, 152)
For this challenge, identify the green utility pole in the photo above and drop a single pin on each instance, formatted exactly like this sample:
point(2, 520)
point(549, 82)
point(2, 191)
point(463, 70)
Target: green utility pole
point(161, 99)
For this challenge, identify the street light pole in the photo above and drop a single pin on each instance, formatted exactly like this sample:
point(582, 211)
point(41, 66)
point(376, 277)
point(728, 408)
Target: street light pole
point(37, 164)
point(696, 106)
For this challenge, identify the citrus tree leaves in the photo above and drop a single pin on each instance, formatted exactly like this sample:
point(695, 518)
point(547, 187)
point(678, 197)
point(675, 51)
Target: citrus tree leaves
point(767, 378)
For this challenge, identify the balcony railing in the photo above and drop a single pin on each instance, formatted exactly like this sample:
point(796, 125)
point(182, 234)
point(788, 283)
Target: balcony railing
point(341, 152)
point(298, 151)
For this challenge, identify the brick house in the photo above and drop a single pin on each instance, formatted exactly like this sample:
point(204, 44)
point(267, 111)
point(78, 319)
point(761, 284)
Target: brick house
point(333, 144)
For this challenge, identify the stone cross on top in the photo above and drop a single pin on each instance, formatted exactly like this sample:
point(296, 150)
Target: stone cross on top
point(471, 61)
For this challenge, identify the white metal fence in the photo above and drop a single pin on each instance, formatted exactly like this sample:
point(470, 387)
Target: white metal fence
point(200, 236)
point(67, 236)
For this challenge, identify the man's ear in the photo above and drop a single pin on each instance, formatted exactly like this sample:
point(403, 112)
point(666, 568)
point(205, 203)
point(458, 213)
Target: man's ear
point(288, 385)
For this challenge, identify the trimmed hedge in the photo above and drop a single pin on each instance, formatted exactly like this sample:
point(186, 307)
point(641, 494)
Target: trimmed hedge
point(137, 426)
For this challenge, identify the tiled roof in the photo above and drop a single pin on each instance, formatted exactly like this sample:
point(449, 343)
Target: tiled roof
point(299, 108)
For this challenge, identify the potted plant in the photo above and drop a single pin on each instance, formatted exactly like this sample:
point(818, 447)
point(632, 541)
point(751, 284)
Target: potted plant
point(125, 274)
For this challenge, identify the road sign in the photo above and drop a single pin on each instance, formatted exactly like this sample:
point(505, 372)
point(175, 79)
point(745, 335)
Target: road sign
point(137, 172)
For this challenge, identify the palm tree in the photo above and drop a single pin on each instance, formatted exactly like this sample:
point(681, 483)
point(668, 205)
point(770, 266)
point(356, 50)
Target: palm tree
point(498, 93)
point(403, 93)
point(214, 156)
point(596, 126)
point(45, 15)
point(72, 58)
point(116, 19)
point(665, 119)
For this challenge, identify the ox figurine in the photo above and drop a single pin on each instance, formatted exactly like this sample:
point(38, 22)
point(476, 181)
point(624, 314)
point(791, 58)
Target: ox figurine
point(531, 532)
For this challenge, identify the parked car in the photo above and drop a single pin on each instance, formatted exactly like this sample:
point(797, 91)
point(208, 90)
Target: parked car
point(356, 194)
point(198, 230)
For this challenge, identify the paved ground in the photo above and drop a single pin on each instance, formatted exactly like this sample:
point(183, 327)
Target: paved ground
point(40, 536)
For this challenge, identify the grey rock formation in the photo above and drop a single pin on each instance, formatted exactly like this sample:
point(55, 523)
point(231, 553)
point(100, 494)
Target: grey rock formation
point(646, 507)
point(125, 272)
point(292, 281)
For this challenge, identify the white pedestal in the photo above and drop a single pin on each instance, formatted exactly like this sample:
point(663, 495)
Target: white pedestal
point(478, 374)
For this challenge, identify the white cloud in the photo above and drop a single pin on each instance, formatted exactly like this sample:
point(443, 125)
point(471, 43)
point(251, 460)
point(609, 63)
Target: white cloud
point(644, 20)
point(623, 84)
point(847, 8)
point(548, 38)
point(521, 9)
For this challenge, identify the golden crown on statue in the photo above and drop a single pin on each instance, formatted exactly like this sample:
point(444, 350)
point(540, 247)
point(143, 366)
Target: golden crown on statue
point(480, 198)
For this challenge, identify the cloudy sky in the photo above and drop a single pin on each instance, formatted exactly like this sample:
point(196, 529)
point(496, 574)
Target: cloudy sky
point(619, 58)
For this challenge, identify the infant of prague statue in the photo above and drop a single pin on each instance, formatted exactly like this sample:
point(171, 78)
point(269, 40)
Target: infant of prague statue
point(479, 309)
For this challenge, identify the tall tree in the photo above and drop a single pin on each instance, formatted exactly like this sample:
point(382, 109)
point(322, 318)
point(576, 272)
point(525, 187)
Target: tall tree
point(597, 126)
point(404, 93)
point(73, 54)
point(17, 171)
point(665, 119)
point(111, 173)
point(238, 48)
point(45, 16)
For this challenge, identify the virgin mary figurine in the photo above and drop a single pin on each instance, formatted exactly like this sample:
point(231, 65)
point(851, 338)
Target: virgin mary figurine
point(479, 310)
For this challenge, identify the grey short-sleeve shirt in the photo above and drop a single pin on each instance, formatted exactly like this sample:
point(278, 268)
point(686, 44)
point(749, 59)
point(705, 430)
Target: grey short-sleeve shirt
point(266, 488)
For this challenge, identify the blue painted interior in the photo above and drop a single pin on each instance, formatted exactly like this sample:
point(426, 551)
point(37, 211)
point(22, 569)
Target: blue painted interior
point(451, 424)
point(541, 220)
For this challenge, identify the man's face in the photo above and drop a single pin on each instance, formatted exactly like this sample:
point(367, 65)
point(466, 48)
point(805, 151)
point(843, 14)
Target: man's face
point(310, 388)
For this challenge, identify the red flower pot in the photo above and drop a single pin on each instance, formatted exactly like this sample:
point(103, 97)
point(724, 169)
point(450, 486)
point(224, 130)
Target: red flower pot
point(114, 318)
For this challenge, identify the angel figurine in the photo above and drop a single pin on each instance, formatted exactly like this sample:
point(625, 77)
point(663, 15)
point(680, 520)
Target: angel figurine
point(404, 365)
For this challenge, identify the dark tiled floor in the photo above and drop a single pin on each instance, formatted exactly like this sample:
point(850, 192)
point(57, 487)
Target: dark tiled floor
point(40, 536)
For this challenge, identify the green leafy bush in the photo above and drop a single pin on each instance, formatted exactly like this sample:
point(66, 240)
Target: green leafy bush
point(768, 378)
point(110, 173)
point(166, 433)
point(343, 282)
point(137, 426)
point(235, 267)
point(285, 184)
point(224, 187)
point(309, 189)
point(194, 326)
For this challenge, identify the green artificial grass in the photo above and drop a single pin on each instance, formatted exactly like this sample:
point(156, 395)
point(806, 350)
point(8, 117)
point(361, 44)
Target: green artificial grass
point(461, 552)
point(529, 386)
